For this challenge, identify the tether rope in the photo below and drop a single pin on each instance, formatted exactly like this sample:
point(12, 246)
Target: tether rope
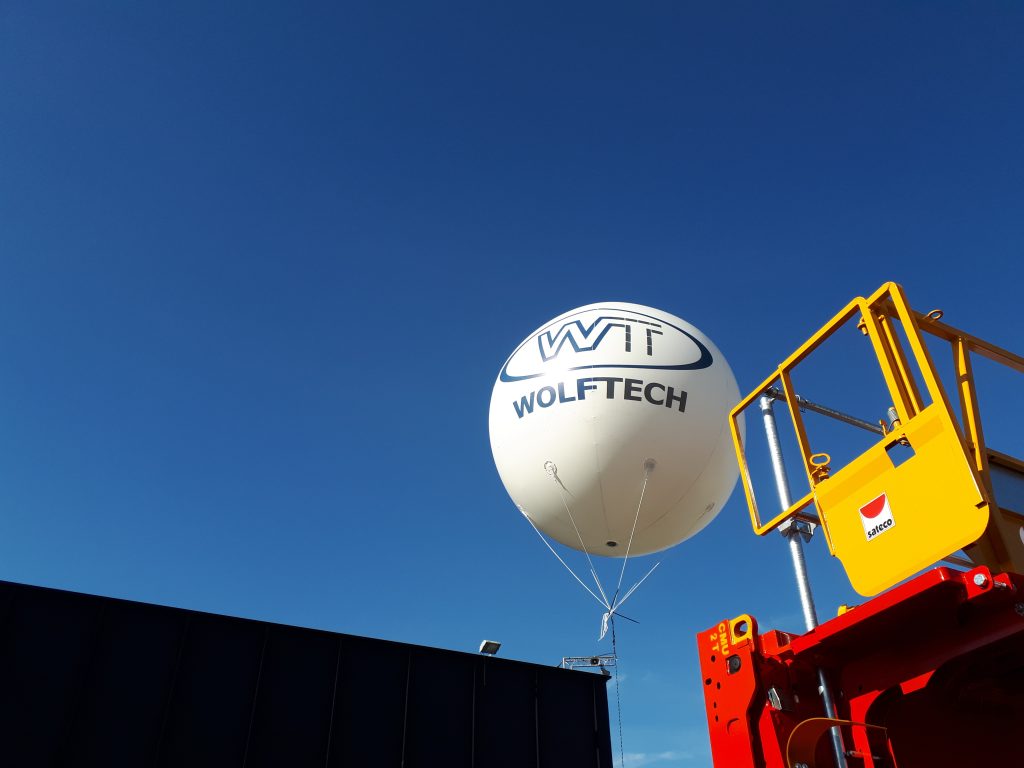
point(633, 588)
point(648, 466)
point(611, 606)
point(593, 571)
point(618, 696)
point(602, 603)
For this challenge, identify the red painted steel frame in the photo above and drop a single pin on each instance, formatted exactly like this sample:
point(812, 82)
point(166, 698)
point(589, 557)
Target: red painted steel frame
point(936, 664)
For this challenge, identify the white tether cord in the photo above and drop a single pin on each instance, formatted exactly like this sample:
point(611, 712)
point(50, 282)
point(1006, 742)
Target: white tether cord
point(648, 466)
point(610, 606)
point(604, 603)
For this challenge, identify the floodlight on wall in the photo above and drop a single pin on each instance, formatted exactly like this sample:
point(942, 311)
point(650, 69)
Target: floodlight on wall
point(489, 647)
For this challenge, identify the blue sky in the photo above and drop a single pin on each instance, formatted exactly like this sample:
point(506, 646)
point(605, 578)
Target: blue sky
point(260, 265)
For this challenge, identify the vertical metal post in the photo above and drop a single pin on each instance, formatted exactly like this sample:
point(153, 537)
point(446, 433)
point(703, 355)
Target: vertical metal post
point(796, 551)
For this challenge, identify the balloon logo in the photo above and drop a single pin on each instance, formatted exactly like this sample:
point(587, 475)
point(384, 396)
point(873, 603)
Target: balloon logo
point(609, 429)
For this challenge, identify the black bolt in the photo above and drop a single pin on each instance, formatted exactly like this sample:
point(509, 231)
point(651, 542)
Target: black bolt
point(734, 664)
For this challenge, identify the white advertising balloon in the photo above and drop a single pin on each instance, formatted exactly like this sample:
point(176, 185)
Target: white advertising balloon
point(609, 409)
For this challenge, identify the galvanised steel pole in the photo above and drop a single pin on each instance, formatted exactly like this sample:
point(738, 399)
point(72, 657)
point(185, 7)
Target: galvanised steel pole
point(796, 551)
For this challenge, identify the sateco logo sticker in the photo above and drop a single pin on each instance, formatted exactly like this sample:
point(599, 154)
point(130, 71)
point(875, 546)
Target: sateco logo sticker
point(876, 517)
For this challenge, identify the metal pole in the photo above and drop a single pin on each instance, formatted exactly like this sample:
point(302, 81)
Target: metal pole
point(796, 551)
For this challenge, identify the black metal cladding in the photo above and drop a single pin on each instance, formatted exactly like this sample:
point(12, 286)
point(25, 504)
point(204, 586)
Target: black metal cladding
point(94, 681)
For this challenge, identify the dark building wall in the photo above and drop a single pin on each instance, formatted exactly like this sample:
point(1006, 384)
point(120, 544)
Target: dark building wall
point(93, 681)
